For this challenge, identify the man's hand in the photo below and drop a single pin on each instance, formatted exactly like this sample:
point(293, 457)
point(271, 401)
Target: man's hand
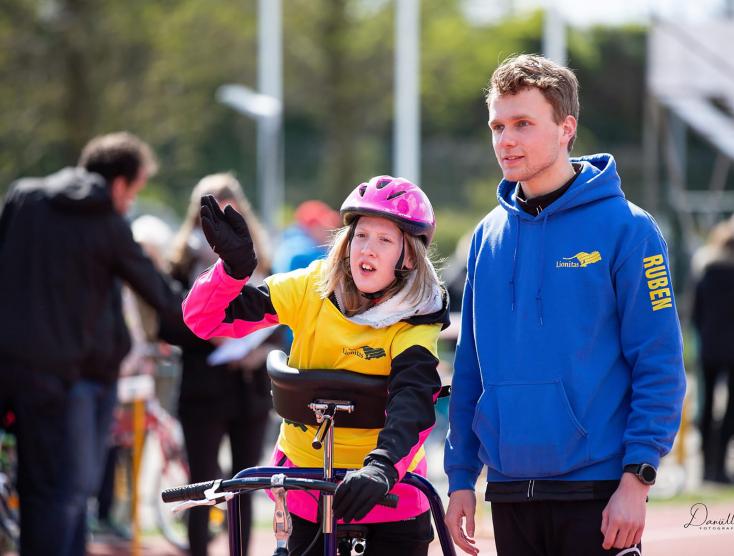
point(623, 519)
point(229, 236)
point(462, 505)
point(360, 490)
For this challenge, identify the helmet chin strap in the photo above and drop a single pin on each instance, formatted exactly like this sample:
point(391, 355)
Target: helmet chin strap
point(400, 271)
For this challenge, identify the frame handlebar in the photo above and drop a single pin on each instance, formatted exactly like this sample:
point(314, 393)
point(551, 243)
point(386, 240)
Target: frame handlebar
point(212, 490)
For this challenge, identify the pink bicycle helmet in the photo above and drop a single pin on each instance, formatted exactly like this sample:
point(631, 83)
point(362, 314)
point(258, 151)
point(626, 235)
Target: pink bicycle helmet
point(401, 201)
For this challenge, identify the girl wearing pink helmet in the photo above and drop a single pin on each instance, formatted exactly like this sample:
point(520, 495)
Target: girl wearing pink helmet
point(375, 306)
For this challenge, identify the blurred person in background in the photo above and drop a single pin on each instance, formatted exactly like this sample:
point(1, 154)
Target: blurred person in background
point(155, 237)
point(92, 404)
point(65, 245)
point(713, 318)
point(305, 241)
point(308, 238)
point(455, 272)
point(230, 399)
point(139, 323)
point(568, 379)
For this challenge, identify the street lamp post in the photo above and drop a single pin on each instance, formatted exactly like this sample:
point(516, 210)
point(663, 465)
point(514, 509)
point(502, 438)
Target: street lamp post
point(265, 106)
point(407, 90)
point(267, 110)
point(270, 83)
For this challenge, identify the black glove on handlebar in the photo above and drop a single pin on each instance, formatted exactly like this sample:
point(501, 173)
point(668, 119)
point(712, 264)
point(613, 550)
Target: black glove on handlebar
point(229, 236)
point(360, 490)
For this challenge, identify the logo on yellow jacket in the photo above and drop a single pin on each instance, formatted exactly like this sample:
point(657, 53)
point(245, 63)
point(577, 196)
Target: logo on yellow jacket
point(579, 260)
point(365, 352)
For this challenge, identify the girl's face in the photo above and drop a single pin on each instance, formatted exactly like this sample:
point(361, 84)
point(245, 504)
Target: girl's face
point(374, 252)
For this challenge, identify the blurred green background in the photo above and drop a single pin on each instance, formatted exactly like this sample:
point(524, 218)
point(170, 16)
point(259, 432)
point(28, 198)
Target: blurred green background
point(71, 69)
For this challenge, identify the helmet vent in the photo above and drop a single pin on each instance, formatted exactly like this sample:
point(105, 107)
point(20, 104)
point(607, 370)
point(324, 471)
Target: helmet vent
point(395, 194)
point(362, 189)
point(382, 183)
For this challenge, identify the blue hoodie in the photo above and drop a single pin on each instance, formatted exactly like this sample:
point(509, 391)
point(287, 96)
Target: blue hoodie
point(569, 363)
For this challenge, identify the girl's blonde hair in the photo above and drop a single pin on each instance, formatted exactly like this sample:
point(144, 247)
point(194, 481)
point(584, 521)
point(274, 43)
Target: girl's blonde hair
point(224, 187)
point(337, 272)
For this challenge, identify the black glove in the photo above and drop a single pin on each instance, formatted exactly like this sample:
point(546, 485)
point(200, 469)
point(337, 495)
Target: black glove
point(229, 236)
point(360, 490)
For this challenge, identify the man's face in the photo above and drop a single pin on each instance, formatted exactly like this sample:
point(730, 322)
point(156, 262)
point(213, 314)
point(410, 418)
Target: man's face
point(125, 192)
point(528, 143)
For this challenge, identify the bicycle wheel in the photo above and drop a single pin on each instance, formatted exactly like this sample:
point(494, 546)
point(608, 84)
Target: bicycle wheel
point(9, 502)
point(173, 526)
point(174, 472)
point(9, 523)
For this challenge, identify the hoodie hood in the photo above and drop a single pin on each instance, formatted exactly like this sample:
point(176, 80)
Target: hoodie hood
point(597, 180)
point(76, 189)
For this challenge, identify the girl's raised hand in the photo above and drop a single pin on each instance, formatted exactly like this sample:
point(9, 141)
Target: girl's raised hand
point(228, 234)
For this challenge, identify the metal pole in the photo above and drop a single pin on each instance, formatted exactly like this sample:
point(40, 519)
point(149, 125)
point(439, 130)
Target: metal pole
point(554, 36)
point(138, 409)
point(407, 90)
point(328, 526)
point(650, 136)
point(328, 519)
point(270, 83)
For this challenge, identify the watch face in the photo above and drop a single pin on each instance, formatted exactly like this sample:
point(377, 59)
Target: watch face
point(648, 473)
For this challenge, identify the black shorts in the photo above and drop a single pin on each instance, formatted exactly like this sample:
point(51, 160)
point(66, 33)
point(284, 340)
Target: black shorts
point(552, 528)
point(398, 538)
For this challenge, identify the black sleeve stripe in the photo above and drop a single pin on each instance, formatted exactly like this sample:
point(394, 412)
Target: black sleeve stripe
point(251, 305)
point(440, 316)
point(413, 382)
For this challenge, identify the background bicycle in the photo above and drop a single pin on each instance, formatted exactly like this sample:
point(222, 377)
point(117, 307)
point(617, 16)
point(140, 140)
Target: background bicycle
point(9, 504)
point(162, 455)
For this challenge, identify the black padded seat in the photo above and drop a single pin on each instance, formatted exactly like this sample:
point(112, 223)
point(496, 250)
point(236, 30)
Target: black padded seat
point(294, 389)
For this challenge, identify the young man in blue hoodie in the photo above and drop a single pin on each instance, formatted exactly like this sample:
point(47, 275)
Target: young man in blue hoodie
point(569, 379)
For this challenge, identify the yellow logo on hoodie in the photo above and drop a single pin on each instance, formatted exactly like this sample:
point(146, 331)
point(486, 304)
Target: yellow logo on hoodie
point(579, 260)
point(656, 273)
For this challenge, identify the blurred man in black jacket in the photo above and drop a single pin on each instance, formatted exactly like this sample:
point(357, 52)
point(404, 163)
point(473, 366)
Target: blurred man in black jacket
point(64, 242)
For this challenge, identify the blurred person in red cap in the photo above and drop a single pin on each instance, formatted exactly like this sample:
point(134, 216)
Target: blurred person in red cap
point(306, 240)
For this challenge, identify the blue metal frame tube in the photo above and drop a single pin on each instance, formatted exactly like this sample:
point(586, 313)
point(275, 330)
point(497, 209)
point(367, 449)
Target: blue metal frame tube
point(421, 483)
point(233, 525)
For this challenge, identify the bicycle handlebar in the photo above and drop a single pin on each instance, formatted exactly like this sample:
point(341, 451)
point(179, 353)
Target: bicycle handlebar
point(186, 492)
point(199, 490)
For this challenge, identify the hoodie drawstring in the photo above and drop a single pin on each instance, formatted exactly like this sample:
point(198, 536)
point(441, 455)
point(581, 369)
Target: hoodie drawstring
point(539, 293)
point(541, 276)
point(514, 263)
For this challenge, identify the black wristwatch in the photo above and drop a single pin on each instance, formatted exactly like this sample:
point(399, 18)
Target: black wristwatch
point(644, 472)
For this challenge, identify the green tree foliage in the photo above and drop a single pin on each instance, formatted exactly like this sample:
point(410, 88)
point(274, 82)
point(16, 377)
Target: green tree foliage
point(338, 95)
point(458, 59)
point(75, 68)
point(70, 69)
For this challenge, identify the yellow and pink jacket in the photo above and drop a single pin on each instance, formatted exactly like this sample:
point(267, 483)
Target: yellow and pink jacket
point(324, 338)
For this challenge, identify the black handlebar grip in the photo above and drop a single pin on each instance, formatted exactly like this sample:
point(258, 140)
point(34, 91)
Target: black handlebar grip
point(390, 501)
point(186, 492)
point(280, 552)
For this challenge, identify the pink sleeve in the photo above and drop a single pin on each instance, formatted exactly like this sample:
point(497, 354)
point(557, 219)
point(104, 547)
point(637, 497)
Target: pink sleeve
point(205, 305)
